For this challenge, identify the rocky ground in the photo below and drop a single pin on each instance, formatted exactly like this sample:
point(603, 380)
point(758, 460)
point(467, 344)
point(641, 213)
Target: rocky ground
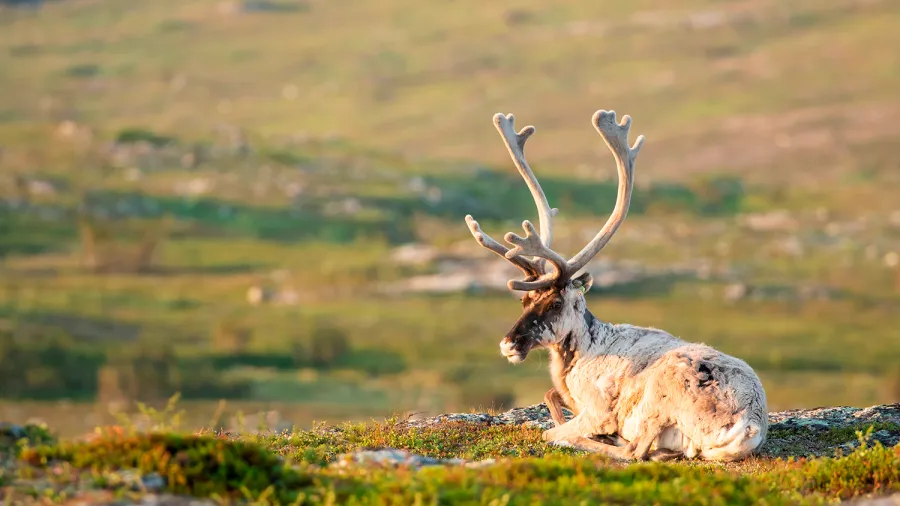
point(795, 433)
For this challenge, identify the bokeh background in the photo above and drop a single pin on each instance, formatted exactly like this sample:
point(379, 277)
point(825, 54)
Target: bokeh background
point(262, 201)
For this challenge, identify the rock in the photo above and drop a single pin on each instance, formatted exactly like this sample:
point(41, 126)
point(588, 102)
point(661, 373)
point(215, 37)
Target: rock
point(894, 219)
point(890, 500)
point(414, 253)
point(37, 187)
point(194, 187)
point(791, 433)
point(391, 457)
point(152, 482)
point(344, 207)
point(256, 295)
point(12, 431)
point(736, 291)
point(802, 423)
point(891, 259)
point(774, 221)
point(886, 438)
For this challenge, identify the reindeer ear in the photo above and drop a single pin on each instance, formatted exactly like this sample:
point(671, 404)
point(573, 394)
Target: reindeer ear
point(583, 282)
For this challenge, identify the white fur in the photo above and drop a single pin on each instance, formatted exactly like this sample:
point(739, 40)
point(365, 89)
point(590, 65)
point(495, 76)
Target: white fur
point(630, 381)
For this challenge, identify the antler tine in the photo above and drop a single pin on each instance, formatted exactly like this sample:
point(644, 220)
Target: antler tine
point(526, 286)
point(515, 143)
point(532, 245)
point(526, 266)
point(616, 137)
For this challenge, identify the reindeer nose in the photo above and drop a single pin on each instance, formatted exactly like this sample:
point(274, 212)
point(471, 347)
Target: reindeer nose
point(508, 346)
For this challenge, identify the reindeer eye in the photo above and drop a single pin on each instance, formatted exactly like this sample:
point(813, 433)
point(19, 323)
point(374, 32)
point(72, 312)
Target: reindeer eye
point(556, 305)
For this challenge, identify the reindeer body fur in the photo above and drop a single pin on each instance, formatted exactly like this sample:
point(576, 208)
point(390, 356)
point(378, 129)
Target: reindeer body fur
point(630, 381)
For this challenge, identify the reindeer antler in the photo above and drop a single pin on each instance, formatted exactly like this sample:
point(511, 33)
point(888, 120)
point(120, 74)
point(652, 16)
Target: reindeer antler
point(529, 268)
point(533, 268)
point(532, 245)
point(538, 245)
point(616, 137)
point(515, 143)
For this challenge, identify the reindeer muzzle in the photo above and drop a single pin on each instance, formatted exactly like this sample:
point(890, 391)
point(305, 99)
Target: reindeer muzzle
point(515, 347)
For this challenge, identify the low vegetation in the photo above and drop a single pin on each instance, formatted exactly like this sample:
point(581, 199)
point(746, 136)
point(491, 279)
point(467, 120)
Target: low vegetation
point(314, 467)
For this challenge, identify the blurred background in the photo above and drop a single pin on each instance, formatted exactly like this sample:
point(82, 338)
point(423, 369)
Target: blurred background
point(262, 201)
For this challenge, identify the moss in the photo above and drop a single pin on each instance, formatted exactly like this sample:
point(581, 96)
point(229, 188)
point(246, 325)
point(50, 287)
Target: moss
point(835, 435)
point(472, 441)
point(849, 433)
point(806, 441)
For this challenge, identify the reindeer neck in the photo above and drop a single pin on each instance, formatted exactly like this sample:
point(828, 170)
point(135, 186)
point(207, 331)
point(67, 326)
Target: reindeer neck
point(580, 340)
point(585, 339)
point(564, 355)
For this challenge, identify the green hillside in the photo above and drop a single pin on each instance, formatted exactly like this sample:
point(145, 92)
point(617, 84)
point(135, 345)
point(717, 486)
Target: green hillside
point(159, 159)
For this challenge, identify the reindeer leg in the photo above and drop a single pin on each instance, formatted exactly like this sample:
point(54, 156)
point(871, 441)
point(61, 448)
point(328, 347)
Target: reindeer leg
point(554, 402)
point(571, 434)
point(589, 445)
point(640, 446)
point(665, 455)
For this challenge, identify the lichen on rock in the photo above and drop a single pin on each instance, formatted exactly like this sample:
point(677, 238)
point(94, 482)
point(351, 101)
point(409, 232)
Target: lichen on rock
point(792, 433)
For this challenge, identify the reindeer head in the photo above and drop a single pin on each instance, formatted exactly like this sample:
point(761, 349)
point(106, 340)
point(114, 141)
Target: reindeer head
point(554, 304)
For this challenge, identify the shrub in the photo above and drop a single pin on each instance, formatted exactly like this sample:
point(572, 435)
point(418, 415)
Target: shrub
point(135, 135)
point(146, 373)
point(328, 344)
point(230, 337)
point(46, 367)
point(206, 382)
point(104, 247)
point(717, 195)
point(15, 437)
point(373, 361)
point(196, 465)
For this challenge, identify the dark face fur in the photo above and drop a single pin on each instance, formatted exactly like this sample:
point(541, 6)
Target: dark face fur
point(548, 315)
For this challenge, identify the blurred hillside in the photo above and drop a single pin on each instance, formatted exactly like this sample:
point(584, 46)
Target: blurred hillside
point(263, 200)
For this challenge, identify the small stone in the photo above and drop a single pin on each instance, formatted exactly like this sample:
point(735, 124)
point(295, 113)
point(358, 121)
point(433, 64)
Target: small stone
point(12, 430)
point(480, 463)
point(886, 438)
point(812, 424)
point(392, 457)
point(153, 482)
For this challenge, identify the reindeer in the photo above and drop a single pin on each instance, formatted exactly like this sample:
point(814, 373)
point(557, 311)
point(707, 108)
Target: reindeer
point(648, 394)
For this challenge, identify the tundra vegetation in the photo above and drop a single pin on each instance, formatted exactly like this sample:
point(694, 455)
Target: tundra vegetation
point(261, 201)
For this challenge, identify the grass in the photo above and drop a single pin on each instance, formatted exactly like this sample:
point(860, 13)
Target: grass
point(308, 467)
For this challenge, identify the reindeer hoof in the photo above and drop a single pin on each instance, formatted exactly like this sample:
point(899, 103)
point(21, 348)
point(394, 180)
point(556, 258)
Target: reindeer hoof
point(665, 455)
point(561, 443)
